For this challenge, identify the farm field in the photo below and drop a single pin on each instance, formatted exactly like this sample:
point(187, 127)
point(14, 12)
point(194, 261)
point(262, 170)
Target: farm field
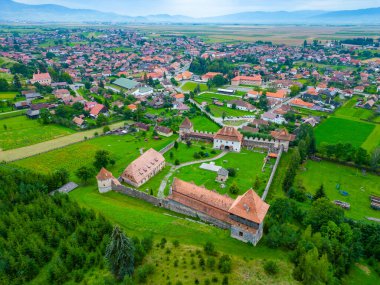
point(123, 149)
point(8, 95)
point(349, 111)
point(20, 131)
point(352, 180)
point(350, 131)
point(52, 144)
point(203, 123)
point(373, 139)
point(247, 164)
point(186, 154)
point(190, 86)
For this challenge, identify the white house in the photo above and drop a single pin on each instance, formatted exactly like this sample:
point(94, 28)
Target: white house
point(105, 180)
point(228, 138)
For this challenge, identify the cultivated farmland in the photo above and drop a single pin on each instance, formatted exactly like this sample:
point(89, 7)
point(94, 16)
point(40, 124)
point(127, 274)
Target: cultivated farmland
point(337, 130)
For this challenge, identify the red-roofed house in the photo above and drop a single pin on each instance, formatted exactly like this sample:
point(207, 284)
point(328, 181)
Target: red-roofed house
point(41, 78)
point(97, 109)
point(246, 80)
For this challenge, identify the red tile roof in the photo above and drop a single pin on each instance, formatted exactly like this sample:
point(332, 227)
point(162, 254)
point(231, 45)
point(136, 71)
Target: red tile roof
point(229, 134)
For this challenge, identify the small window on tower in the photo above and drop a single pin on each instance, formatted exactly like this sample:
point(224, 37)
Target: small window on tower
point(240, 234)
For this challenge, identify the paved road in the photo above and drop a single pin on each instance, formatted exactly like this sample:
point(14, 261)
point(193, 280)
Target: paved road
point(164, 182)
point(23, 152)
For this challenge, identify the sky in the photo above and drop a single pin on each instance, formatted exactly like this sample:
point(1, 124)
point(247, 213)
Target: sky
point(204, 8)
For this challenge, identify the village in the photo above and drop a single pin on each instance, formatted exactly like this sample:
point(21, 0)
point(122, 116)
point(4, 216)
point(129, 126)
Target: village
point(182, 131)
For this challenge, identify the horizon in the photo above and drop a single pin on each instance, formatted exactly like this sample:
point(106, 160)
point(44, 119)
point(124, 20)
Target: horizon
point(212, 8)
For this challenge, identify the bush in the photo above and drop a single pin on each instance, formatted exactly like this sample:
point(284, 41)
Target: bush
point(271, 267)
point(176, 162)
point(214, 279)
point(196, 155)
point(225, 280)
point(106, 129)
point(211, 263)
point(231, 172)
point(209, 248)
point(143, 272)
point(176, 243)
point(225, 264)
point(234, 189)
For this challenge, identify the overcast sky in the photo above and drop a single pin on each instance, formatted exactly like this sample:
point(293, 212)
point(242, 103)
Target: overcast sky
point(201, 8)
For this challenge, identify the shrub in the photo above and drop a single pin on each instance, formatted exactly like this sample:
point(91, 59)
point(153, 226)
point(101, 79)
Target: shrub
point(176, 243)
point(213, 151)
point(176, 162)
point(209, 248)
point(211, 263)
point(207, 282)
point(163, 242)
point(231, 172)
point(225, 264)
point(196, 155)
point(271, 267)
point(225, 280)
point(214, 279)
point(106, 129)
point(234, 189)
point(143, 272)
point(203, 147)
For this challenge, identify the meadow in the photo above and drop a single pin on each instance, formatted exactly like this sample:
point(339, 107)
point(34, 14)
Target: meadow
point(359, 185)
point(186, 154)
point(123, 149)
point(20, 131)
point(247, 164)
point(203, 123)
point(190, 86)
point(337, 130)
point(8, 95)
point(349, 111)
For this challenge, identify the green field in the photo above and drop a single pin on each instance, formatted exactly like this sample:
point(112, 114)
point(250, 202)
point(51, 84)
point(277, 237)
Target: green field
point(352, 180)
point(185, 153)
point(337, 130)
point(203, 123)
point(6, 62)
point(349, 111)
point(247, 164)
point(190, 86)
point(123, 149)
point(7, 95)
point(20, 131)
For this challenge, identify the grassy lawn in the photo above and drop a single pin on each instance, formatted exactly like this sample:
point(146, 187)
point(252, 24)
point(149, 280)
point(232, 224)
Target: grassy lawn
point(247, 164)
point(207, 97)
point(337, 130)
point(203, 123)
point(190, 86)
point(185, 154)
point(349, 111)
point(352, 180)
point(361, 274)
point(373, 140)
point(7, 95)
point(123, 149)
point(20, 131)
point(11, 114)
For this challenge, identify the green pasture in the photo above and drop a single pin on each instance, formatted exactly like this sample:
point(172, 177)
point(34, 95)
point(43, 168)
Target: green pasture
point(190, 86)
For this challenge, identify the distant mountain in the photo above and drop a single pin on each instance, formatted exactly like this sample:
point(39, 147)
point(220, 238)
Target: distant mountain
point(11, 11)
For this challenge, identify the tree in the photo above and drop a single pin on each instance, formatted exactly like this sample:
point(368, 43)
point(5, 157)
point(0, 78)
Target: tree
point(223, 115)
point(320, 193)
point(209, 248)
point(323, 211)
point(375, 158)
point(45, 117)
point(312, 269)
point(17, 83)
point(102, 159)
point(4, 85)
point(188, 143)
point(361, 156)
point(234, 189)
point(225, 264)
point(176, 145)
point(263, 102)
point(84, 173)
point(120, 254)
point(87, 85)
point(101, 120)
point(106, 129)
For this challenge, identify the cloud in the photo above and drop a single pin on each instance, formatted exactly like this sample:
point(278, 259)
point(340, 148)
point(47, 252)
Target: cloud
point(204, 8)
